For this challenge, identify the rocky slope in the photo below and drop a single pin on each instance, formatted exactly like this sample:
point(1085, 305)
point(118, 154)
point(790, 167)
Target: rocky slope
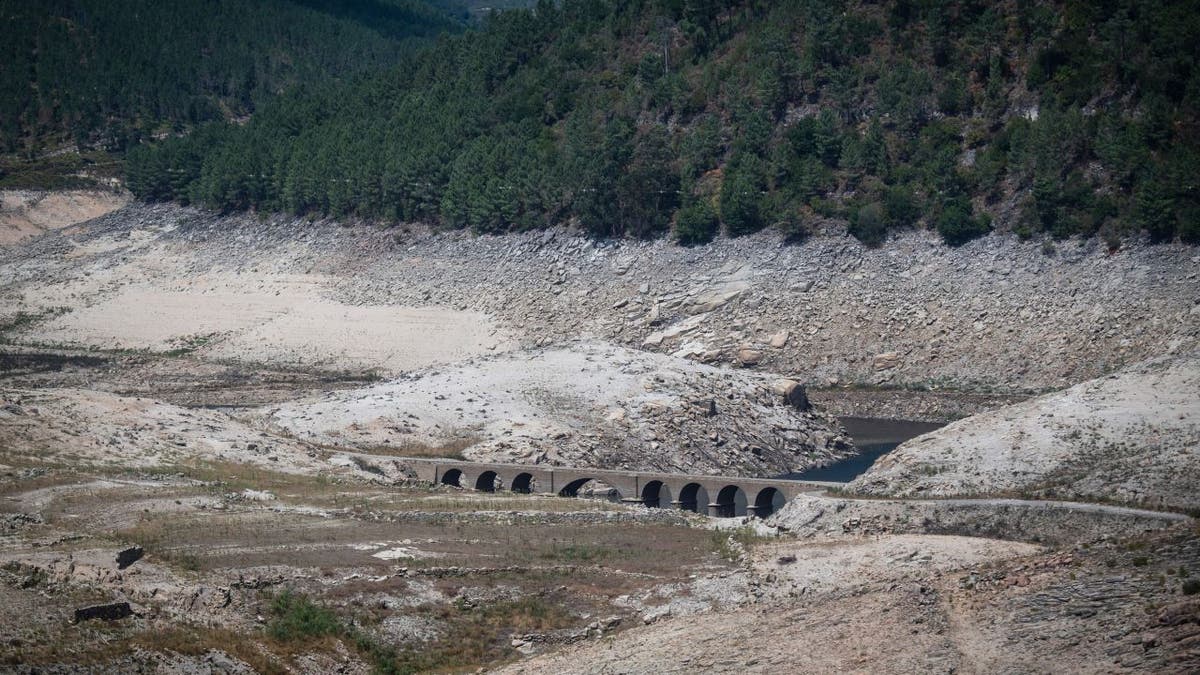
point(1131, 437)
point(77, 427)
point(27, 213)
point(1040, 521)
point(995, 314)
point(583, 404)
point(274, 340)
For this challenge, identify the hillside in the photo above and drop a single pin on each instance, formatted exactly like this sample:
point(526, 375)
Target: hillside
point(90, 74)
point(230, 397)
point(448, 336)
point(1131, 437)
point(634, 119)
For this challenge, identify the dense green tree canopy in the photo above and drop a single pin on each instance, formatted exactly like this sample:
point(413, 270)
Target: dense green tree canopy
point(1075, 117)
point(114, 71)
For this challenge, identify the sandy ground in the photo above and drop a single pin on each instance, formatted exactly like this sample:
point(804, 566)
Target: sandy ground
point(128, 290)
point(28, 213)
point(80, 428)
point(275, 320)
point(1132, 437)
point(831, 564)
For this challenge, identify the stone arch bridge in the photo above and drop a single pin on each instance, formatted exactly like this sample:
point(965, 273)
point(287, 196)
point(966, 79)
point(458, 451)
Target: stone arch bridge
point(719, 496)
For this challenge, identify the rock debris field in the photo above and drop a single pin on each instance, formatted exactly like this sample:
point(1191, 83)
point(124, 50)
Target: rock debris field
point(204, 420)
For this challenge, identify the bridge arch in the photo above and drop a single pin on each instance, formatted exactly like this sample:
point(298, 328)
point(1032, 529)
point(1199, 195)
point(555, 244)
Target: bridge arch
point(486, 482)
point(523, 483)
point(576, 486)
point(656, 494)
point(452, 477)
point(768, 501)
point(731, 502)
point(572, 489)
point(693, 497)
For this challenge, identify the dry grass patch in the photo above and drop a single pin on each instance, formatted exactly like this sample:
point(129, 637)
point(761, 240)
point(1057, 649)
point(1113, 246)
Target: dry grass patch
point(476, 636)
point(498, 501)
point(14, 482)
point(197, 641)
point(448, 449)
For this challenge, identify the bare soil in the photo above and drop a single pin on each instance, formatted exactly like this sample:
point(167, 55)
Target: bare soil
point(28, 213)
point(229, 394)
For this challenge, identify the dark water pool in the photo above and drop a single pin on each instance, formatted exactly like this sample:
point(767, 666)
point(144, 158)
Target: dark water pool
point(874, 438)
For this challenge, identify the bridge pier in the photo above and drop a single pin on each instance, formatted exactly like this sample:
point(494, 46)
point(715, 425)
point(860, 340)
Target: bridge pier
point(683, 506)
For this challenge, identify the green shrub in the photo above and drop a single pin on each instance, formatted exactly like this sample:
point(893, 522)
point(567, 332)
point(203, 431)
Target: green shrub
point(296, 617)
point(793, 227)
point(868, 224)
point(957, 226)
point(740, 205)
point(1189, 224)
point(900, 206)
point(1191, 587)
point(696, 223)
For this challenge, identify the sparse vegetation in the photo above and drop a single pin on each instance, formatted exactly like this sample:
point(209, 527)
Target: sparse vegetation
point(296, 617)
point(732, 545)
point(22, 320)
point(576, 553)
point(188, 344)
point(447, 449)
point(198, 640)
point(475, 636)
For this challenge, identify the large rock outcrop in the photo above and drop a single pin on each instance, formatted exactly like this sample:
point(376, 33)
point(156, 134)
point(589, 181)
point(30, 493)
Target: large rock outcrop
point(1132, 437)
point(582, 404)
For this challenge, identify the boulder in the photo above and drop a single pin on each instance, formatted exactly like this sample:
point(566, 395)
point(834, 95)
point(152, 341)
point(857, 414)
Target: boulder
point(707, 301)
point(885, 361)
point(779, 339)
point(792, 392)
point(654, 315)
point(748, 356)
